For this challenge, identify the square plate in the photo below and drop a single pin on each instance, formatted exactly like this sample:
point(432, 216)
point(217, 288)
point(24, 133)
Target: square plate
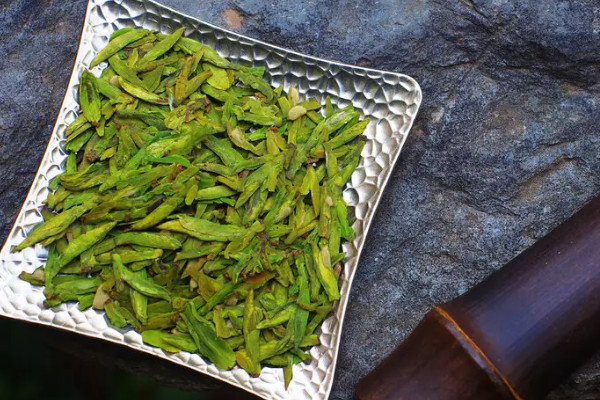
point(390, 99)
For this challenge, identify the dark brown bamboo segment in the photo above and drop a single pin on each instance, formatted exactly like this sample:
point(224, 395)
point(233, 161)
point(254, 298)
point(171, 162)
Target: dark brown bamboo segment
point(442, 366)
point(526, 328)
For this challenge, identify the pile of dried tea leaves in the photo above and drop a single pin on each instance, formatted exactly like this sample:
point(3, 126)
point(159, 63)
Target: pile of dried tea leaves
point(199, 205)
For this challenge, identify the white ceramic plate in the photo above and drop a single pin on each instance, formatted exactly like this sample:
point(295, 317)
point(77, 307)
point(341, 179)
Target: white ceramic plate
point(390, 99)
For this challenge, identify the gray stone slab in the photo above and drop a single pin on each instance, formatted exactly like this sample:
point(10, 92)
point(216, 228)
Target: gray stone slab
point(505, 148)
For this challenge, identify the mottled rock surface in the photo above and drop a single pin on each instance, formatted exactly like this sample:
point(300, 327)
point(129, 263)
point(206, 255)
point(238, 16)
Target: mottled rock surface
point(506, 145)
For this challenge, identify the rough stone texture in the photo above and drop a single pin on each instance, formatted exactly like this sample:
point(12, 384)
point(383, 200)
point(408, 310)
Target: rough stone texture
point(505, 148)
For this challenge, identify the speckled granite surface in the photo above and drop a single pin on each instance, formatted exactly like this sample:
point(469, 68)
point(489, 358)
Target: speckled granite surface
point(506, 146)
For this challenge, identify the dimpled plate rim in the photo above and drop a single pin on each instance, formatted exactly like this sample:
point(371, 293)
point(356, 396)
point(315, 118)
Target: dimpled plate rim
point(390, 99)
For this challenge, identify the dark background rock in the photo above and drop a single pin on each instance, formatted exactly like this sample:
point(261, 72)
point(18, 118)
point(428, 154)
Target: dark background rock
point(506, 145)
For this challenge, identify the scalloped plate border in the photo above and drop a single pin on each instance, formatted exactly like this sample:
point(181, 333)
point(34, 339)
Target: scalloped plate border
point(391, 100)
